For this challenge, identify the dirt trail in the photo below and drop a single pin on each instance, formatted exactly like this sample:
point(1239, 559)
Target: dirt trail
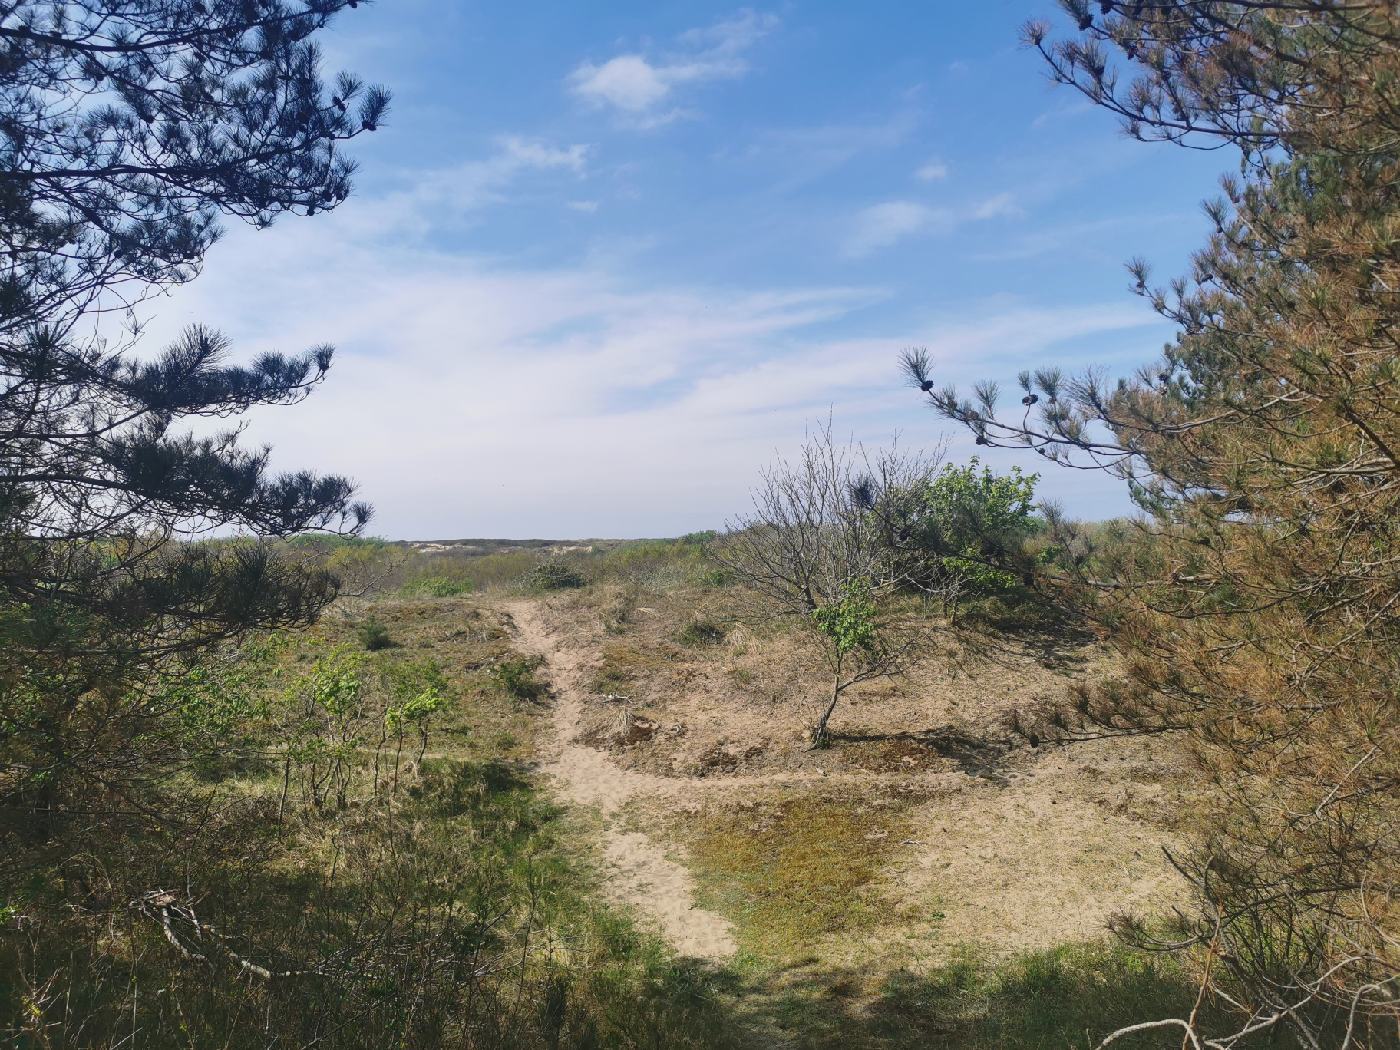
point(641, 876)
point(1043, 857)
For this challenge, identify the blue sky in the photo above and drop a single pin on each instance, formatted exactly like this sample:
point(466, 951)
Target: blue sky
point(607, 260)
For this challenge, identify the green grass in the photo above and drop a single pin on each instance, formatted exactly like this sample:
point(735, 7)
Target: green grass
point(437, 587)
point(518, 680)
point(791, 871)
point(1068, 997)
point(459, 911)
point(472, 862)
point(623, 666)
point(701, 631)
point(800, 878)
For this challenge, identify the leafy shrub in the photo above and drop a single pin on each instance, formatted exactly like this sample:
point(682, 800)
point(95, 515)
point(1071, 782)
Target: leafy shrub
point(717, 577)
point(621, 610)
point(374, 636)
point(850, 622)
point(437, 587)
point(553, 576)
point(964, 532)
point(701, 632)
point(516, 677)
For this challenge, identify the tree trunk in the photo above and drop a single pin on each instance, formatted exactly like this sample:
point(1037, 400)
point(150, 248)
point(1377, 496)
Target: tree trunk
point(819, 735)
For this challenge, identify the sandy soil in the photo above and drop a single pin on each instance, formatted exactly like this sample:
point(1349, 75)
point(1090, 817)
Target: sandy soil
point(641, 877)
point(1018, 847)
point(1046, 858)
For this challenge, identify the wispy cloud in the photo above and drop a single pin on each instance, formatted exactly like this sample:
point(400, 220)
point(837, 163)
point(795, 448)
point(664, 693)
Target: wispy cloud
point(642, 89)
point(794, 157)
point(933, 171)
point(887, 223)
point(517, 152)
point(883, 225)
point(470, 398)
point(453, 194)
point(1002, 206)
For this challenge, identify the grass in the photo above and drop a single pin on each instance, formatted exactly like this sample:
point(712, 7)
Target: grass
point(800, 877)
point(1065, 998)
point(517, 678)
point(495, 565)
point(437, 587)
point(456, 912)
point(553, 576)
point(374, 636)
point(623, 666)
point(793, 870)
point(473, 859)
point(701, 631)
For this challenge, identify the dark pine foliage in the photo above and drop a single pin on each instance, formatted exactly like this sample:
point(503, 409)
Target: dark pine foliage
point(127, 127)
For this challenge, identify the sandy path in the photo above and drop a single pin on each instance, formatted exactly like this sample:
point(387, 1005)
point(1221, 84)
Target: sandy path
point(1027, 864)
point(641, 877)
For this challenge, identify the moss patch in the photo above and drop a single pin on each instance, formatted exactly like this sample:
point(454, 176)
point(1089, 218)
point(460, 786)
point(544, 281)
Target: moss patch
point(793, 870)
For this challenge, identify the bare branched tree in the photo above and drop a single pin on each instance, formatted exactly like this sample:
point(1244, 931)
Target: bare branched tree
point(818, 548)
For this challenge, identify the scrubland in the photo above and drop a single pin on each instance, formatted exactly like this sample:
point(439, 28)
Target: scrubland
point(594, 820)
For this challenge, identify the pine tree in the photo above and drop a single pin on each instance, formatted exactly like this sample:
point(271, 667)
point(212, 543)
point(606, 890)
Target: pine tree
point(1258, 608)
point(126, 128)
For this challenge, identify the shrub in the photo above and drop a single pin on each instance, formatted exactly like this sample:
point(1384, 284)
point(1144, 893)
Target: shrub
point(437, 587)
point(374, 636)
point(701, 632)
point(553, 576)
point(717, 577)
point(619, 612)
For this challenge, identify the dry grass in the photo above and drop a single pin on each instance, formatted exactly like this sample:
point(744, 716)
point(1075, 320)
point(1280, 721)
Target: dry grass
point(927, 810)
point(929, 880)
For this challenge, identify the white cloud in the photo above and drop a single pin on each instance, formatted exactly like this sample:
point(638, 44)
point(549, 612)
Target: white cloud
point(468, 399)
point(628, 82)
point(933, 171)
point(882, 225)
point(517, 153)
point(1003, 205)
point(586, 207)
point(640, 88)
point(442, 196)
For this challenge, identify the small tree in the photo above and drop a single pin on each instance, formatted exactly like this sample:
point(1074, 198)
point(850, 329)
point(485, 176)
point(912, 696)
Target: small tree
point(126, 129)
point(816, 549)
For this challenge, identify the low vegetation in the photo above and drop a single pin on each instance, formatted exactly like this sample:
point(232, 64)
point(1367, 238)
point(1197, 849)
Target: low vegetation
point(794, 871)
point(394, 885)
point(266, 782)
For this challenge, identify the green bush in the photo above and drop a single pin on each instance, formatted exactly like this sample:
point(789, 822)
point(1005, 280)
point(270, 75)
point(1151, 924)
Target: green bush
point(965, 533)
point(374, 635)
point(437, 587)
point(717, 577)
point(553, 576)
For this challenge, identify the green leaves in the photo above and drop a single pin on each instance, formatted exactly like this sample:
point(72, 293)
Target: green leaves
point(973, 522)
point(850, 622)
